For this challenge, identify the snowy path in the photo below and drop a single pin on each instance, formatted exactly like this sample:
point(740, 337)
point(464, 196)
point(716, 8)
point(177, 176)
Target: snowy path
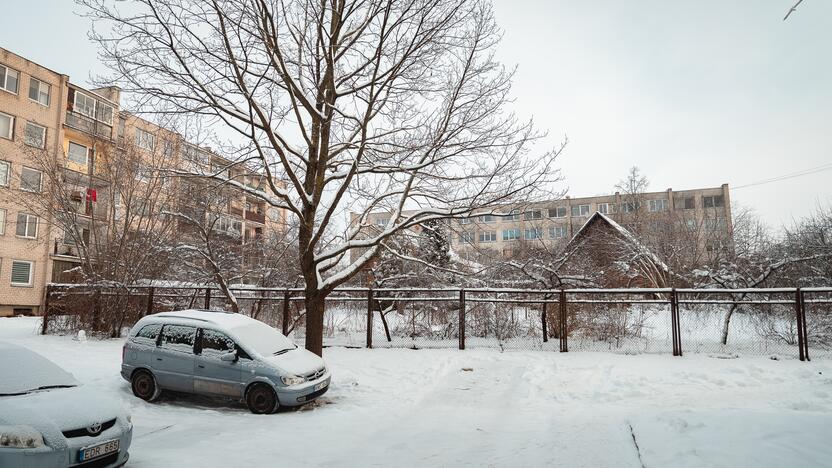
point(403, 408)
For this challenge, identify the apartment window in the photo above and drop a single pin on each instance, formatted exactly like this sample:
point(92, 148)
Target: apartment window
point(6, 126)
point(533, 234)
point(558, 232)
point(35, 135)
point(379, 222)
point(84, 105)
point(77, 153)
point(27, 226)
point(30, 180)
point(687, 203)
point(465, 220)
point(559, 212)
point(230, 226)
point(606, 208)
point(511, 234)
point(104, 113)
point(21, 273)
point(145, 140)
point(629, 207)
point(487, 218)
point(513, 215)
point(714, 201)
point(488, 236)
point(466, 237)
point(38, 91)
point(658, 205)
point(580, 210)
point(4, 173)
point(2, 222)
point(8, 79)
point(534, 214)
point(715, 224)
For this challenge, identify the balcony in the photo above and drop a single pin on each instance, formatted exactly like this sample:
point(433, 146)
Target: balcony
point(88, 125)
point(256, 217)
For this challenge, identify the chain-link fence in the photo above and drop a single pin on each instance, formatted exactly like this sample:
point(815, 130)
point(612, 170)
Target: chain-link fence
point(775, 322)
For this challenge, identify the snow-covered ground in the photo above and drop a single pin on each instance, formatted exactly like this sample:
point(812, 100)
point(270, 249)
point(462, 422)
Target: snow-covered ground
point(485, 408)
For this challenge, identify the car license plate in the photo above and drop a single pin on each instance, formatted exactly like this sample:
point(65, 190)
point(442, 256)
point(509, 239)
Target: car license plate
point(95, 451)
point(320, 385)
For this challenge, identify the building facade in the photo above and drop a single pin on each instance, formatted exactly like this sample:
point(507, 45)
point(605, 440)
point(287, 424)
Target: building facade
point(77, 149)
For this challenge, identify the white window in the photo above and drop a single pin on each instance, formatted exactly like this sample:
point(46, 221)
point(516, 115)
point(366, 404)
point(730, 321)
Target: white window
point(381, 222)
point(78, 153)
point(84, 105)
point(6, 126)
point(558, 232)
point(145, 139)
point(38, 91)
point(8, 79)
point(658, 205)
point(488, 236)
point(580, 210)
point(31, 180)
point(715, 201)
point(559, 212)
point(535, 214)
point(532, 234)
point(35, 135)
point(230, 226)
point(21, 273)
point(2, 222)
point(465, 220)
point(511, 234)
point(629, 207)
point(487, 218)
point(4, 173)
point(104, 113)
point(514, 215)
point(606, 208)
point(27, 226)
point(466, 236)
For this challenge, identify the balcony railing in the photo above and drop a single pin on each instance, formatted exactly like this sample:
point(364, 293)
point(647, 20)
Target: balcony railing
point(88, 125)
point(256, 217)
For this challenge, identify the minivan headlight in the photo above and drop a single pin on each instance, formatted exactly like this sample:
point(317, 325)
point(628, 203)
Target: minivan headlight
point(20, 437)
point(292, 380)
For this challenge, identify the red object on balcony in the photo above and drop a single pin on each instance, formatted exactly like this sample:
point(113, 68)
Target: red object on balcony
point(92, 195)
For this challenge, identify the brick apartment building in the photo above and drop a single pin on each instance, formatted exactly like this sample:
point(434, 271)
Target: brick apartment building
point(41, 110)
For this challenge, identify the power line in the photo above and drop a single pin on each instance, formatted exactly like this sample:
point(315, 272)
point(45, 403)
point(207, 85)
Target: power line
point(811, 170)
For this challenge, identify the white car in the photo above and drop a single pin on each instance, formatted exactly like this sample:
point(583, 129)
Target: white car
point(48, 419)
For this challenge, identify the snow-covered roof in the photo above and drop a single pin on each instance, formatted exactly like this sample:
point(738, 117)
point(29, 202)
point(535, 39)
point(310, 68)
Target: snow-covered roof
point(227, 320)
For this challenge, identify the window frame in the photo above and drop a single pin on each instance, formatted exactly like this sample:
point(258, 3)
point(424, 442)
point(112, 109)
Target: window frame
point(8, 165)
point(557, 212)
point(466, 237)
point(40, 180)
point(41, 84)
point(26, 135)
point(511, 238)
point(537, 234)
point(145, 140)
point(3, 214)
point(553, 230)
point(86, 153)
point(486, 218)
point(713, 199)
point(26, 229)
point(11, 126)
point(487, 237)
point(31, 281)
point(6, 79)
point(77, 108)
point(580, 209)
point(530, 215)
point(653, 205)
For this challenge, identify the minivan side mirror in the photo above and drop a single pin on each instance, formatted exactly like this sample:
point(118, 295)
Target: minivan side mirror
point(229, 357)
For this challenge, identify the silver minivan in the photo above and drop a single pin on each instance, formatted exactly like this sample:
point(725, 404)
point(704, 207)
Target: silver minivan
point(221, 354)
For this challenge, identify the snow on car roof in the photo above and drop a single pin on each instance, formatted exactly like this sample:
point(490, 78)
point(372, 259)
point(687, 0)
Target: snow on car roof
point(228, 320)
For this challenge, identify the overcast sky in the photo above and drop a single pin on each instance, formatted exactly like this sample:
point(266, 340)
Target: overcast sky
point(695, 93)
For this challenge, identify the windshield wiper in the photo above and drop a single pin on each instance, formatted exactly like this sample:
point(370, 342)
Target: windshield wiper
point(283, 351)
point(44, 387)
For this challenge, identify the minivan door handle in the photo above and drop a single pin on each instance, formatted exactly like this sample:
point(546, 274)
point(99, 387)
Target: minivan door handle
point(158, 359)
point(200, 366)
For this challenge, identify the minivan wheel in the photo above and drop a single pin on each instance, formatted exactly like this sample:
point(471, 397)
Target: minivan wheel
point(144, 386)
point(261, 399)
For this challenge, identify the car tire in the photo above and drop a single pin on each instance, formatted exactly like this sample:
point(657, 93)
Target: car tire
point(144, 386)
point(261, 399)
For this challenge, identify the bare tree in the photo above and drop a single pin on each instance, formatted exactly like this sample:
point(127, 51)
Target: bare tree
point(363, 104)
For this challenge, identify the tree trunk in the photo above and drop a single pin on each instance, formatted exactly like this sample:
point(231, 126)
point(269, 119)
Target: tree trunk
point(315, 321)
point(726, 322)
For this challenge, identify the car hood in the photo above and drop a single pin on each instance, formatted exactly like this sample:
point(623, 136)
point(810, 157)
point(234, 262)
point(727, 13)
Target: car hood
point(298, 361)
point(57, 410)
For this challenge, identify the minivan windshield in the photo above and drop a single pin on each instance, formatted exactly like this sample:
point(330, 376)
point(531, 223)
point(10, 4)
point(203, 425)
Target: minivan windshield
point(262, 339)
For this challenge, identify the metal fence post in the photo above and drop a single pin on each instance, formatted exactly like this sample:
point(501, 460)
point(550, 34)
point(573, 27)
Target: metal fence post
point(44, 324)
point(207, 298)
point(462, 318)
point(286, 312)
point(802, 297)
point(543, 322)
point(150, 292)
point(564, 345)
point(369, 317)
point(801, 325)
point(674, 321)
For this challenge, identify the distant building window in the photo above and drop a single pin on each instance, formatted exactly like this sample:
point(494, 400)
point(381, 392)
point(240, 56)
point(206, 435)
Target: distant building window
point(21, 273)
point(77, 153)
point(658, 205)
point(31, 180)
point(534, 214)
point(84, 105)
point(381, 222)
point(514, 215)
point(558, 232)
point(230, 226)
point(4, 173)
point(488, 236)
point(606, 208)
point(104, 113)
point(27, 226)
point(2, 222)
point(559, 212)
point(6, 126)
point(487, 218)
point(629, 207)
point(8, 79)
point(715, 224)
point(533, 234)
point(465, 220)
point(466, 237)
point(511, 234)
point(580, 210)
point(35, 135)
point(714, 201)
point(38, 91)
point(145, 140)
point(687, 203)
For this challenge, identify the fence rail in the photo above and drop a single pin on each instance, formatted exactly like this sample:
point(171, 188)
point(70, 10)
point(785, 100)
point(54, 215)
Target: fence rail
point(770, 321)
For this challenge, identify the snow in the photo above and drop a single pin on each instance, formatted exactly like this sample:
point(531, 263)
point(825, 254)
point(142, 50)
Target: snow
point(486, 408)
